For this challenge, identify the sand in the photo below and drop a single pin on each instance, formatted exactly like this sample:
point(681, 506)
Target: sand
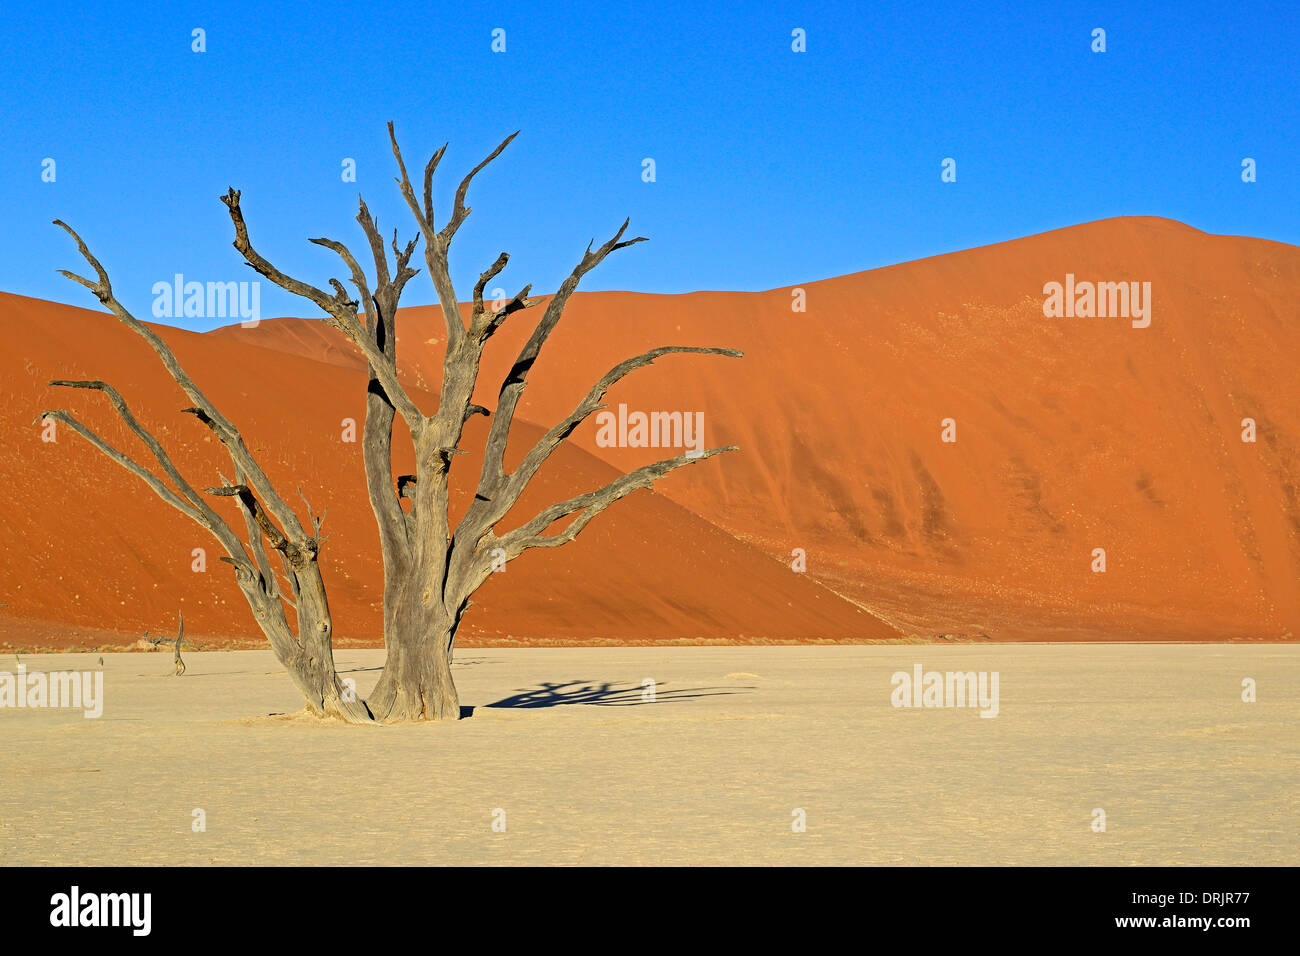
point(710, 772)
point(1072, 434)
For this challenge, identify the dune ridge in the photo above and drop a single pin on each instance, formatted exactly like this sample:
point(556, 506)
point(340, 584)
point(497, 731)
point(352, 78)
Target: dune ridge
point(1072, 434)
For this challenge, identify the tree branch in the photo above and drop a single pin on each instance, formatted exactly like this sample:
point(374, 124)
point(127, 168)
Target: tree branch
point(459, 209)
point(381, 327)
point(587, 506)
point(495, 497)
point(298, 554)
point(437, 241)
point(513, 386)
point(220, 425)
point(343, 312)
point(358, 279)
point(130, 464)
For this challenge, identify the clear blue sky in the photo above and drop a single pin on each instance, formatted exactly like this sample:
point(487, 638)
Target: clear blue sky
point(773, 167)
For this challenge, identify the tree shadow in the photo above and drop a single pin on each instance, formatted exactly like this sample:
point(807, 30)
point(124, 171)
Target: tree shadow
point(606, 694)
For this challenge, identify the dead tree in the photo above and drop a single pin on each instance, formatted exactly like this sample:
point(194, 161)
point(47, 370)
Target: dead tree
point(180, 634)
point(177, 644)
point(430, 568)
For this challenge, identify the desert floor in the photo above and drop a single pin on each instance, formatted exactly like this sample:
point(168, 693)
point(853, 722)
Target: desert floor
point(712, 771)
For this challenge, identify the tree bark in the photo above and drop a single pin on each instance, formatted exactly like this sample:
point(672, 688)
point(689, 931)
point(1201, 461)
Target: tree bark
point(416, 683)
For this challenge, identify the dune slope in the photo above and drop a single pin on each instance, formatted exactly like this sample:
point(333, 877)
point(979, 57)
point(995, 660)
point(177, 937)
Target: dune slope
point(91, 556)
point(1072, 435)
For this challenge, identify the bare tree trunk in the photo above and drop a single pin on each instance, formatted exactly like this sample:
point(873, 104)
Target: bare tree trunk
point(307, 656)
point(416, 683)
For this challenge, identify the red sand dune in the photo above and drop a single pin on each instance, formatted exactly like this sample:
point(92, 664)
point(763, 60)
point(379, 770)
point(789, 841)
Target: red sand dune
point(1072, 434)
point(88, 549)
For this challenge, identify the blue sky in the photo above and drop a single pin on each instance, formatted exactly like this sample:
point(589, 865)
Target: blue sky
point(772, 167)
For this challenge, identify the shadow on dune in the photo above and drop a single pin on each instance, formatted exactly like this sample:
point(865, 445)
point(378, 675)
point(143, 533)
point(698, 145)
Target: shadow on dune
point(605, 694)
